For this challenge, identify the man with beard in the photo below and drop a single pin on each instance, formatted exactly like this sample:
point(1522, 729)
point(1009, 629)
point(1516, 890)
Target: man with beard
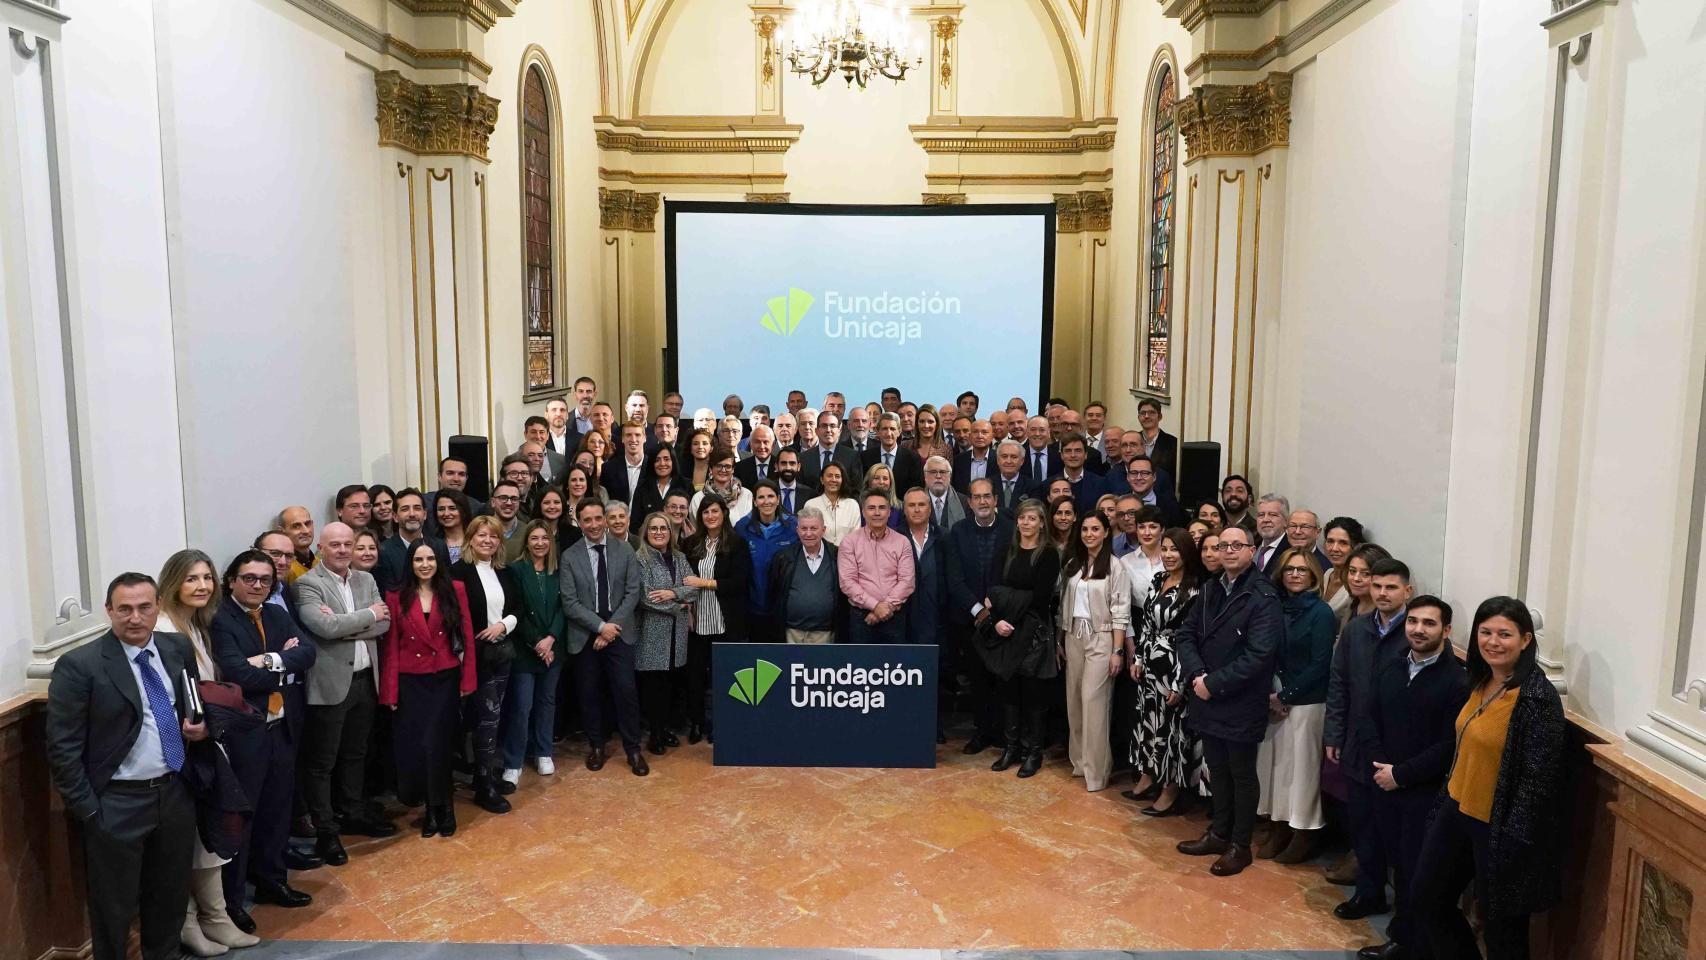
point(410, 513)
point(1271, 512)
point(794, 494)
point(1235, 503)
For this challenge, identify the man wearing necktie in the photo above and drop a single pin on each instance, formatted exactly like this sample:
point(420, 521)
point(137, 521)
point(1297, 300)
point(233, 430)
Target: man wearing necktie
point(258, 647)
point(758, 466)
point(1042, 455)
point(116, 745)
point(1010, 483)
point(794, 493)
point(903, 462)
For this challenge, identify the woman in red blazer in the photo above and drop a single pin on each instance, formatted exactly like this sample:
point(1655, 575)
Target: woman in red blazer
point(426, 665)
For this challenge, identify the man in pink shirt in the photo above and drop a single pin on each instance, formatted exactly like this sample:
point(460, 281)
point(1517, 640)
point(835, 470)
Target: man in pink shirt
point(875, 565)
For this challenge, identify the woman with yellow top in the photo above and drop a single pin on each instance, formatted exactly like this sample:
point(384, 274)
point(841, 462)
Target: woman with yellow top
point(1501, 822)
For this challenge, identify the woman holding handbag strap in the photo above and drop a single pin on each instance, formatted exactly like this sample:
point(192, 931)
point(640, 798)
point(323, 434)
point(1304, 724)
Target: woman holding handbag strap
point(189, 591)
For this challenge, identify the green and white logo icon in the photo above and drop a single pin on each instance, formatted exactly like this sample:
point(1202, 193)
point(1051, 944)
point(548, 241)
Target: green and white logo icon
point(752, 683)
point(786, 312)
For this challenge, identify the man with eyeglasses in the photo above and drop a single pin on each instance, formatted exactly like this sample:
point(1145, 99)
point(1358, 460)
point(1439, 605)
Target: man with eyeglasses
point(258, 646)
point(1303, 532)
point(1226, 647)
point(506, 506)
point(1151, 486)
point(1125, 521)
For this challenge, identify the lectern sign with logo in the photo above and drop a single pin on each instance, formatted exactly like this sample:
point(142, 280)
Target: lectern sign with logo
point(837, 705)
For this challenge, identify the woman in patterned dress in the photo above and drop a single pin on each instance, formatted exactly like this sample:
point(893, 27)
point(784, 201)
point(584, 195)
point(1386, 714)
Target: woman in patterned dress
point(1165, 755)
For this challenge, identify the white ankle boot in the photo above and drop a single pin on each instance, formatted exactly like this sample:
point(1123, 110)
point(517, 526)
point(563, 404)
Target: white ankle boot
point(194, 940)
point(208, 893)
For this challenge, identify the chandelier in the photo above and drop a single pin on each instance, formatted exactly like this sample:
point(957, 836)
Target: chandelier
point(861, 40)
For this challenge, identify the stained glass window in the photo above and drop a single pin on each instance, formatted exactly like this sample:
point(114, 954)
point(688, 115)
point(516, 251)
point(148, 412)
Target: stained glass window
point(1158, 324)
point(538, 305)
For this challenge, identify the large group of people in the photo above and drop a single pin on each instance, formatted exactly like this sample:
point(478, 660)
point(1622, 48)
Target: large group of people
point(1238, 650)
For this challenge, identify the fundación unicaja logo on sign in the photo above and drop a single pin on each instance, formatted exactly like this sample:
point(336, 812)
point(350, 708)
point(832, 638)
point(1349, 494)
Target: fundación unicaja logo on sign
point(752, 683)
point(786, 313)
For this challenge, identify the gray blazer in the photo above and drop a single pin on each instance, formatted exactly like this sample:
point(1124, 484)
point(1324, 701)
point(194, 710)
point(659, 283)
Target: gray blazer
point(579, 590)
point(338, 631)
point(663, 626)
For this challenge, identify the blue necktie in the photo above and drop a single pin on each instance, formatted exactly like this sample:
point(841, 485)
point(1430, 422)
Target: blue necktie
point(788, 500)
point(165, 718)
point(603, 580)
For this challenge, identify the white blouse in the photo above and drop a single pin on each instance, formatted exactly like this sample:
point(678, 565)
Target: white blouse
point(839, 520)
point(494, 589)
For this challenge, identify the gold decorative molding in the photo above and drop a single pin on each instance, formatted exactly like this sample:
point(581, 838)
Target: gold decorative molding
point(1220, 120)
point(946, 29)
point(627, 210)
point(1087, 211)
point(451, 59)
point(706, 177)
point(943, 199)
point(1236, 59)
point(639, 143)
point(481, 13)
point(767, 198)
point(1191, 13)
point(1019, 179)
point(448, 118)
point(767, 30)
point(1069, 144)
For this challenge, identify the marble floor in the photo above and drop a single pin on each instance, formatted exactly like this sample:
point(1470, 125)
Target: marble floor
point(956, 858)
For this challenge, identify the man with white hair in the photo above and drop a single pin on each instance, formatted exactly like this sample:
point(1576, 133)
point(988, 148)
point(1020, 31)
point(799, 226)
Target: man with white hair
point(785, 429)
point(704, 419)
point(1271, 513)
point(343, 609)
point(757, 466)
point(947, 505)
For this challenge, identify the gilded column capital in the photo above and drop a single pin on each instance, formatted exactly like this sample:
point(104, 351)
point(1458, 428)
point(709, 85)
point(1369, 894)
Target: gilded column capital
point(1223, 120)
point(627, 210)
point(447, 118)
point(767, 198)
point(944, 199)
point(1087, 211)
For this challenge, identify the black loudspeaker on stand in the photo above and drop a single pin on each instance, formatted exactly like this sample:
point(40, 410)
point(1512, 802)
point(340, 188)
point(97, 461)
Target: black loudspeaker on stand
point(475, 452)
point(1199, 473)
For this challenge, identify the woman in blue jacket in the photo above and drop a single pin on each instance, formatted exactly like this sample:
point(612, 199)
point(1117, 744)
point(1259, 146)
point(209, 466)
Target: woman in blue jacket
point(767, 531)
point(1289, 761)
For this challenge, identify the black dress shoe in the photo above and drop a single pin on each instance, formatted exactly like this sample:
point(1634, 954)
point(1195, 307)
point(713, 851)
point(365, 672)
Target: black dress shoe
point(302, 828)
point(656, 746)
point(1357, 908)
point(670, 739)
point(1178, 807)
point(637, 763)
point(1033, 763)
point(694, 733)
point(281, 894)
point(488, 799)
point(240, 919)
point(977, 744)
point(1207, 845)
point(1009, 756)
point(447, 821)
point(503, 787)
point(378, 829)
point(1390, 950)
point(330, 850)
point(429, 822)
point(1143, 796)
point(595, 760)
point(295, 859)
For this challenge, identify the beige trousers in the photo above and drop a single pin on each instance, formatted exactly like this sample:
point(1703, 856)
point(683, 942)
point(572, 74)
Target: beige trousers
point(793, 635)
point(1089, 699)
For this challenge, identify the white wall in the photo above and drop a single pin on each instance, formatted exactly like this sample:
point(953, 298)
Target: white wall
point(260, 183)
point(1011, 62)
point(1368, 315)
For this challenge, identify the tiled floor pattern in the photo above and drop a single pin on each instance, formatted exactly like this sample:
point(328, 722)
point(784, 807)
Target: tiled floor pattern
point(956, 858)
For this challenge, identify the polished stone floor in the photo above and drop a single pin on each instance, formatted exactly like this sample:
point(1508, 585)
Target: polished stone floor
point(952, 859)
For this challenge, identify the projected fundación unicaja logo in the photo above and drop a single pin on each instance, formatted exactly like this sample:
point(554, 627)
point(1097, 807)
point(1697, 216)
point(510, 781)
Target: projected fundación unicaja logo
point(878, 316)
point(846, 687)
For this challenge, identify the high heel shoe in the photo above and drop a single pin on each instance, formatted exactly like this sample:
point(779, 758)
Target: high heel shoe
point(1180, 806)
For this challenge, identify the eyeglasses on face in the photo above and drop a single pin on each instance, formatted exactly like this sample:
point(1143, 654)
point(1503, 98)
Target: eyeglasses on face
point(256, 579)
point(1231, 547)
point(1301, 527)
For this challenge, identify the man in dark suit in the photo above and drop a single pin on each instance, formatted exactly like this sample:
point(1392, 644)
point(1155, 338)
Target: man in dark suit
point(1303, 532)
point(1226, 648)
point(1071, 423)
point(1087, 485)
point(1154, 488)
point(1364, 646)
point(947, 505)
point(1010, 483)
point(259, 647)
point(1042, 455)
point(858, 435)
point(1271, 513)
point(1161, 446)
point(1412, 734)
point(620, 477)
point(759, 465)
point(115, 745)
point(410, 512)
point(794, 494)
point(977, 459)
point(902, 461)
point(830, 449)
point(976, 548)
point(599, 582)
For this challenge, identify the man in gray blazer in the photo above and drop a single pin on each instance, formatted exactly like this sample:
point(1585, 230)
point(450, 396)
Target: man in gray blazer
point(342, 607)
point(599, 580)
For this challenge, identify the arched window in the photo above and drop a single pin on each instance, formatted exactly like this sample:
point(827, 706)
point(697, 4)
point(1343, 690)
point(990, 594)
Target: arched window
point(540, 251)
point(1164, 156)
